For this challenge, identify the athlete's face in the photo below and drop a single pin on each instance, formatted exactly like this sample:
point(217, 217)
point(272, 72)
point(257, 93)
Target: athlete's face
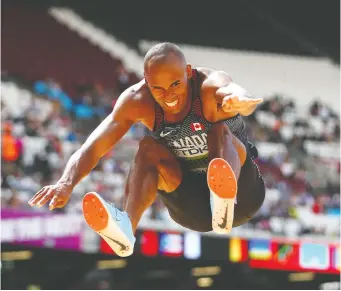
point(168, 83)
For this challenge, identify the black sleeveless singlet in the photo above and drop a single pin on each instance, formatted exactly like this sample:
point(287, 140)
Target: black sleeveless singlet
point(188, 139)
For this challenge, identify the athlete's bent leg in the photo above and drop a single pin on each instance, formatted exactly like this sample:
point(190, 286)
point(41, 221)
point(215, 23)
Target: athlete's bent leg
point(154, 167)
point(223, 144)
point(227, 155)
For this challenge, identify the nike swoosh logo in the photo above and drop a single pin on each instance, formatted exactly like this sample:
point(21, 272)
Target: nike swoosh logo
point(224, 223)
point(121, 245)
point(165, 134)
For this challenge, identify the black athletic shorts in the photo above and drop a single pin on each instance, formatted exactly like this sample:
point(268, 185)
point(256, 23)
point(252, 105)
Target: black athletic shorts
point(189, 204)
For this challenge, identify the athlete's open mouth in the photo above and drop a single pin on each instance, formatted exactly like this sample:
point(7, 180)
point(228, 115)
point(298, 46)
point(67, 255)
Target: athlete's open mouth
point(172, 104)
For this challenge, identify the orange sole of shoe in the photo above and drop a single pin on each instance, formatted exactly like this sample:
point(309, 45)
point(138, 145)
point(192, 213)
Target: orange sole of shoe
point(94, 212)
point(221, 179)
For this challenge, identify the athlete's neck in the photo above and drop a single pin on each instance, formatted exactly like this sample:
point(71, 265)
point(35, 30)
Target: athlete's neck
point(176, 118)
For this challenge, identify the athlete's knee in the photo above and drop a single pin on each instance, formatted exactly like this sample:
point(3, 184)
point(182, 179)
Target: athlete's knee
point(155, 156)
point(219, 129)
point(221, 137)
point(146, 142)
point(170, 176)
point(146, 151)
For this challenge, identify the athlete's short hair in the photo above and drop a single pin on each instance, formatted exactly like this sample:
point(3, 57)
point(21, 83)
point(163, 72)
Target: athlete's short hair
point(161, 51)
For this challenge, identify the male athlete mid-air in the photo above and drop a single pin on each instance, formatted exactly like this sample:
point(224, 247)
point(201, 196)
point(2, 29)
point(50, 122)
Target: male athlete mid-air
point(198, 158)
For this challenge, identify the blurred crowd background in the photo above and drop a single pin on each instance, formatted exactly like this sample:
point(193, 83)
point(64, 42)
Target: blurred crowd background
point(58, 84)
point(43, 123)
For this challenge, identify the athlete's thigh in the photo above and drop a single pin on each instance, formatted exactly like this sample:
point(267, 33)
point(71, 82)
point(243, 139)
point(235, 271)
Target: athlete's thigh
point(189, 204)
point(169, 169)
point(155, 154)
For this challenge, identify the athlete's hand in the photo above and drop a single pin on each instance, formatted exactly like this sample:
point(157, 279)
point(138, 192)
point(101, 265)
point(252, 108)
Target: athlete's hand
point(233, 103)
point(236, 99)
point(59, 194)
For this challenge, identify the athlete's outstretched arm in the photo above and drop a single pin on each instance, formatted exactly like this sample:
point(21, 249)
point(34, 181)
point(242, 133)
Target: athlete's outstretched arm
point(231, 98)
point(102, 139)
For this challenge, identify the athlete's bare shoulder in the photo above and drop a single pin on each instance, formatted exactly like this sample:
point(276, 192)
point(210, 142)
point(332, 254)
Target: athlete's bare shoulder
point(213, 79)
point(137, 102)
point(204, 73)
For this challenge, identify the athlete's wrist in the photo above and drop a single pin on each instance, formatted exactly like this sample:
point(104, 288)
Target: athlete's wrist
point(66, 183)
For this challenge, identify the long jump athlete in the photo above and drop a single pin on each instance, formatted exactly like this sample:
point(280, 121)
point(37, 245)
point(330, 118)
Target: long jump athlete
point(197, 158)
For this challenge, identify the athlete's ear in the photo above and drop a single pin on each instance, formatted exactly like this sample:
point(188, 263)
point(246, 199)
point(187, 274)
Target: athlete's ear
point(189, 71)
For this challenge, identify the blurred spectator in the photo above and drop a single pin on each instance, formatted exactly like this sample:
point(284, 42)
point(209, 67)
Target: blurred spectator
point(123, 78)
point(11, 148)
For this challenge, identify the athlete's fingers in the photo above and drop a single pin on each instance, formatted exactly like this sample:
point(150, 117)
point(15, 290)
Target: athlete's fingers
point(239, 104)
point(255, 101)
point(54, 201)
point(229, 108)
point(233, 104)
point(240, 101)
point(60, 204)
point(37, 196)
point(228, 102)
point(45, 198)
